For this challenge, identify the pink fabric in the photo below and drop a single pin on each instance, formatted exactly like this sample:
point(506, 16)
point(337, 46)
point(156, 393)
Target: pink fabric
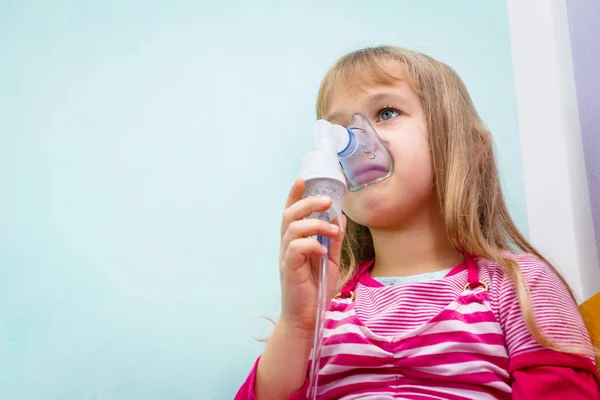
point(428, 339)
point(554, 383)
point(543, 375)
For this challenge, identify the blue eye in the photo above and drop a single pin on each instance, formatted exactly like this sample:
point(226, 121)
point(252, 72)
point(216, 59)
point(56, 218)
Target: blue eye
point(388, 113)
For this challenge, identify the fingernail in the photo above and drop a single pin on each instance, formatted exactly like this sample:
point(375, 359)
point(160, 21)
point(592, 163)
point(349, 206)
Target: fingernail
point(333, 228)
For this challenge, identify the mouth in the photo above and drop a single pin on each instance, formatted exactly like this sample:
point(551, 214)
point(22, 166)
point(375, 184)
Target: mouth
point(368, 174)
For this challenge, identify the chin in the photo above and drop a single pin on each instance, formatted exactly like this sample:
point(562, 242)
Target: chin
point(381, 206)
point(372, 207)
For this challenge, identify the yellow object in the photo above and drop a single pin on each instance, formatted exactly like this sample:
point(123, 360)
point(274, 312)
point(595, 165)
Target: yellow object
point(590, 309)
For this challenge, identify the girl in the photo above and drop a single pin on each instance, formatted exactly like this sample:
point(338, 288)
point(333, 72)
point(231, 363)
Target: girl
point(432, 303)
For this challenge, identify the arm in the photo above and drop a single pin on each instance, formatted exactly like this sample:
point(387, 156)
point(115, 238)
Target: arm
point(280, 373)
point(282, 368)
point(537, 372)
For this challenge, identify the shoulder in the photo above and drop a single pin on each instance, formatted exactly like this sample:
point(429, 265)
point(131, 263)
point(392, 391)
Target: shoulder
point(528, 263)
point(537, 274)
point(549, 300)
point(547, 290)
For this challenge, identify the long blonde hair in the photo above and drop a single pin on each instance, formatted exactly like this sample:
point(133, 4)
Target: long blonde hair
point(465, 174)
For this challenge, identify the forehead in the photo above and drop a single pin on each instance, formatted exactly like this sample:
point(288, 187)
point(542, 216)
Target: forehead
point(356, 82)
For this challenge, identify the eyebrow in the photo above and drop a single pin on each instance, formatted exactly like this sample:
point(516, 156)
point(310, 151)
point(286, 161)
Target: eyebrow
point(377, 97)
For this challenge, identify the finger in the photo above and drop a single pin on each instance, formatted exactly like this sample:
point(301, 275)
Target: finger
point(300, 250)
point(308, 227)
point(336, 242)
point(302, 209)
point(296, 192)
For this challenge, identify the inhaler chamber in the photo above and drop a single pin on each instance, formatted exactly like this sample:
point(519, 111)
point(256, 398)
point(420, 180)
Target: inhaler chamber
point(365, 158)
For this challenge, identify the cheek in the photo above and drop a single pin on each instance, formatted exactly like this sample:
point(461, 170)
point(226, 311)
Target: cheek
point(412, 160)
point(409, 188)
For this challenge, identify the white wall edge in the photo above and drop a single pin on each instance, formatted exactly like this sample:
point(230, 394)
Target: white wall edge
point(558, 206)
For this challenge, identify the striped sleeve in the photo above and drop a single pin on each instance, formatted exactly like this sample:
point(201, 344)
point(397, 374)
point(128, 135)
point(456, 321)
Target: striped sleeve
point(557, 317)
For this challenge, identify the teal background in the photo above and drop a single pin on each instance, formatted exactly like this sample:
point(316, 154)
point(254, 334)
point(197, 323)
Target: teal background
point(140, 197)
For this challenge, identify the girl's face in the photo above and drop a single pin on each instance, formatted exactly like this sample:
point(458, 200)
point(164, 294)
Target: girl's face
point(396, 113)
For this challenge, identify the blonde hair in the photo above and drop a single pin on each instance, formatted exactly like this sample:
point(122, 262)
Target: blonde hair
point(465, 173)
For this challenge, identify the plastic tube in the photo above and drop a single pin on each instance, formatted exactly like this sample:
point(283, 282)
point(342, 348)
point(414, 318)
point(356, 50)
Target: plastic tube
point(313, 380)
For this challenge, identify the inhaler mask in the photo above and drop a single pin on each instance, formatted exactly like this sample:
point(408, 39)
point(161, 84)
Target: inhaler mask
point(365, 159)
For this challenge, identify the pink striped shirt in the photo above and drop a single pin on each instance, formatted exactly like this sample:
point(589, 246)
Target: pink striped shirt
point(441, 340)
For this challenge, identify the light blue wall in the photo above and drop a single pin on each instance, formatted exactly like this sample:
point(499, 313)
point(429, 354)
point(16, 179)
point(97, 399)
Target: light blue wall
point(140, 202)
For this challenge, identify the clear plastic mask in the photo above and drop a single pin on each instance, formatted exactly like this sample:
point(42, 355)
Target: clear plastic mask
point(366, 159)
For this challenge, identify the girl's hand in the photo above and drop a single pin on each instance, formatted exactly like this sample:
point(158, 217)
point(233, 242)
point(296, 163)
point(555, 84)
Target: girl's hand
point(299, 258)
point(282, 368)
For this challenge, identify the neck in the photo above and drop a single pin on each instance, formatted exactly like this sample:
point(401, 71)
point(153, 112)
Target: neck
point(417, 247)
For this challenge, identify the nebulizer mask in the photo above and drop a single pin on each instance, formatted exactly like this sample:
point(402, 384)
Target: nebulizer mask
point(345, 158)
